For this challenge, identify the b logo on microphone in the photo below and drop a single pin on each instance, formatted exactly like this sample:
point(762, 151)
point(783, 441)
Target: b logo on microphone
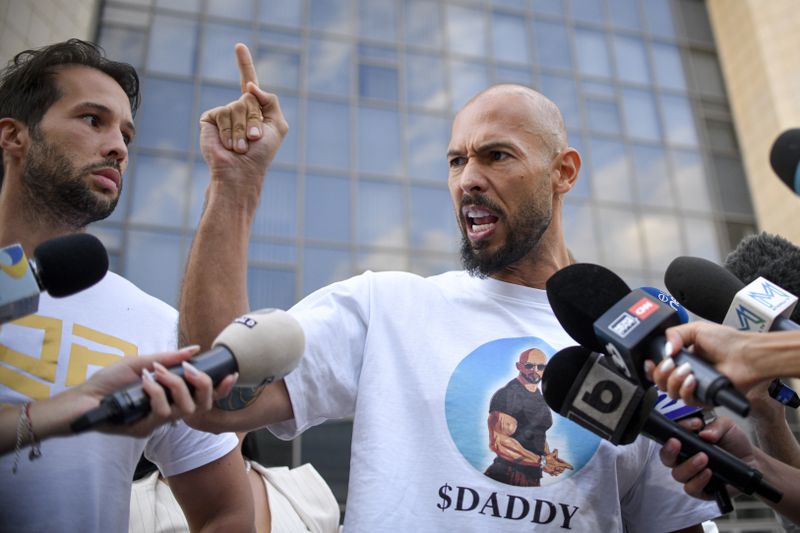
point(246, 321)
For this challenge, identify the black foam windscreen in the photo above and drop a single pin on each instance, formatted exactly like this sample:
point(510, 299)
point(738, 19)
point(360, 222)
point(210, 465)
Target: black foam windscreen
point(69, 264)
point(769, 256)
point(579, 294)
point(785, 155)
point(560, 373)
point(702, 286)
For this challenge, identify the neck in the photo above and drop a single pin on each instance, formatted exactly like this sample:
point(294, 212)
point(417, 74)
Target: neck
point(26, 222)
point(530, 387)
point(535, 269)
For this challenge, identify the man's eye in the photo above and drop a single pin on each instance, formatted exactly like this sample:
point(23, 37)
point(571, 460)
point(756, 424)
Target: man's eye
point(457, 161)
point(126, 139)
point(90, 119)
point(497, 155)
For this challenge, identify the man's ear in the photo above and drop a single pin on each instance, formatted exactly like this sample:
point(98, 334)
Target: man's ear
point(568, 166)
point(14, 139)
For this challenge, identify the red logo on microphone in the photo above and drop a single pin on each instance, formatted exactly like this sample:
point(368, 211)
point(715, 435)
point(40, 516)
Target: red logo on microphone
point(643, 308)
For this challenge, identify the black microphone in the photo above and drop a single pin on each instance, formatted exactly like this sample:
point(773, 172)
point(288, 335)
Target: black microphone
point(585, 387)
point(599, 311)
point(784, 157)
point(61, 266)
point(262, 346)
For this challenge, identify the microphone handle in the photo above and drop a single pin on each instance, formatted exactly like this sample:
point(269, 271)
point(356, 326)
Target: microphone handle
point(713, 388)
point(782, 323)
point(132, 403)
point(728, 468)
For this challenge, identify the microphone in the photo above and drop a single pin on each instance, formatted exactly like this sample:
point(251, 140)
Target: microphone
point(262, 346)
point(61, 266)
point(599, 311)
point(670, 300)
point(784, 157)
point(584, 387)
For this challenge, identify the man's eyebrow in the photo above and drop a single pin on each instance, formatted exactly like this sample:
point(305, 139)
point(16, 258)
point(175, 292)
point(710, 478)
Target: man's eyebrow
point(105, 110)
point(495, 145)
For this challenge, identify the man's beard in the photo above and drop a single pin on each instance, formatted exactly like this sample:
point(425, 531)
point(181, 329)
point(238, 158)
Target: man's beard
point(524, 233)
point(57, 191)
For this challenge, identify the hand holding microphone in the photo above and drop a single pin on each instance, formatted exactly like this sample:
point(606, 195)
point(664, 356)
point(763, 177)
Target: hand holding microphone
point(261, 346)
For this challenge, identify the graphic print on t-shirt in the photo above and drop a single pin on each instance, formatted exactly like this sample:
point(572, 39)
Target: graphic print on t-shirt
point(500, 423)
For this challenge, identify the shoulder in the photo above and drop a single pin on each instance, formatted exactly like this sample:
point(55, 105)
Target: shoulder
point(121, 289)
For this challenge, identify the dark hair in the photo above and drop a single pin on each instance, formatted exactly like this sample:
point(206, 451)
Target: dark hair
point(28, 87)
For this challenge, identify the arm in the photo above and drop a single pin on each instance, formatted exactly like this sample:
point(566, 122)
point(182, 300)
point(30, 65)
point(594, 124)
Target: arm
point(501, 427)
point(214, 290)
point(216, 496)
point(51, 417)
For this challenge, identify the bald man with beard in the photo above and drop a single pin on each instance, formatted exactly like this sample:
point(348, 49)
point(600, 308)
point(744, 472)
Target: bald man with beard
point(518, 422)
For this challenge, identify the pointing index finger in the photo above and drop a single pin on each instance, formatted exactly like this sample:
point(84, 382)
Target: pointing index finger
point(247, 69)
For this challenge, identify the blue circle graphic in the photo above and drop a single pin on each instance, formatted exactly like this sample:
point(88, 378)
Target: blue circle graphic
point(473, 383)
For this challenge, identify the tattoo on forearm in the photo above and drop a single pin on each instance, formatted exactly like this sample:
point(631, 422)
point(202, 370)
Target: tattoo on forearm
point(239, 398)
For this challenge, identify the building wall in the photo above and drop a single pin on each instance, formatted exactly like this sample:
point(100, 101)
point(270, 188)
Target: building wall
point(757, 44)
point(26, 24)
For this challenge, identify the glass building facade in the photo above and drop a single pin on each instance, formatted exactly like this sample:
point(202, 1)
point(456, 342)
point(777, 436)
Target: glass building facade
point(369, 88)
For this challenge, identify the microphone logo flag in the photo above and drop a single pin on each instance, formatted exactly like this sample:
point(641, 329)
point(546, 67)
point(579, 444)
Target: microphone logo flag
point(12, 261)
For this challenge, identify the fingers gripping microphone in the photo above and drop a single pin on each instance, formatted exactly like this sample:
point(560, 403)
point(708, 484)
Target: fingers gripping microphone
point(586, 388)
point(262, 346)
point(61, 266)
point(600, 312)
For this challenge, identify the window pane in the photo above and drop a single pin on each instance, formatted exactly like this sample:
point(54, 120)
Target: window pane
point(520, 76)
point(270, 287)
point(329, 67)
point(678, 120)
point(509, 38)
point(123, 44)
point(552, 45)
point(272, 252)
point(218, 60)
point(652, 176)
point(732, 185)
point(277, 212)
point(466, 30)
point(337, 16)
point(611, 178)
point(564, 93)
point(190, 6)
point(467, 79)
point(377, 82)
point(165, 122)
point(691, 181)
point(160, 278)
point(668, 67)
point(379, 141)
point(288, 152)
point(603, 116)
point(283, 12)
point(380, 214)
point(641, 117)
point(159, 191)
point(423, 23)
point(549, 7)
point(625, 14)
point(433, 224)
point(327, 447)
point(200, 179)
point(278, 68)
point(620, 240)
point(658, 15)
point(579, 232)
point(327, 208)
point(592, 52)
point(430, 266)
point(631, 60)
point(425, 81)
point(232, 9)
point(662, 236)
point(380, 261)
point(323, 266)
point(592, 11)
point(702, 238)
point(328, 135)
point(378, 20)
point(173, 42)
point(428, 137)
point(707, 74)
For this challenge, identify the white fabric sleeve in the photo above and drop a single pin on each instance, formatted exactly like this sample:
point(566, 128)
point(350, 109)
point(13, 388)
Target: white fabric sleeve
point(177, 448)
point(324, 386)
point(658, 503)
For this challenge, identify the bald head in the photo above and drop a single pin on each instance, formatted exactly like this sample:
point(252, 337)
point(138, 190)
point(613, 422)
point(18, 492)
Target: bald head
point(540, 115)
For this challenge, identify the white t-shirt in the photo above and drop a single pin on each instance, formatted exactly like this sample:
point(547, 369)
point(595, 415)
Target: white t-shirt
point(416, 362)
point(83, 483)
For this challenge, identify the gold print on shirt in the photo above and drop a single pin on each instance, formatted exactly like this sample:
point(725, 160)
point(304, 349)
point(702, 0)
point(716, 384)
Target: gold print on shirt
point(43, 365)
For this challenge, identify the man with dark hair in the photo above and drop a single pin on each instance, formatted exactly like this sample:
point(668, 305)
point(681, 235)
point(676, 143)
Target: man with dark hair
point(66, 118)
